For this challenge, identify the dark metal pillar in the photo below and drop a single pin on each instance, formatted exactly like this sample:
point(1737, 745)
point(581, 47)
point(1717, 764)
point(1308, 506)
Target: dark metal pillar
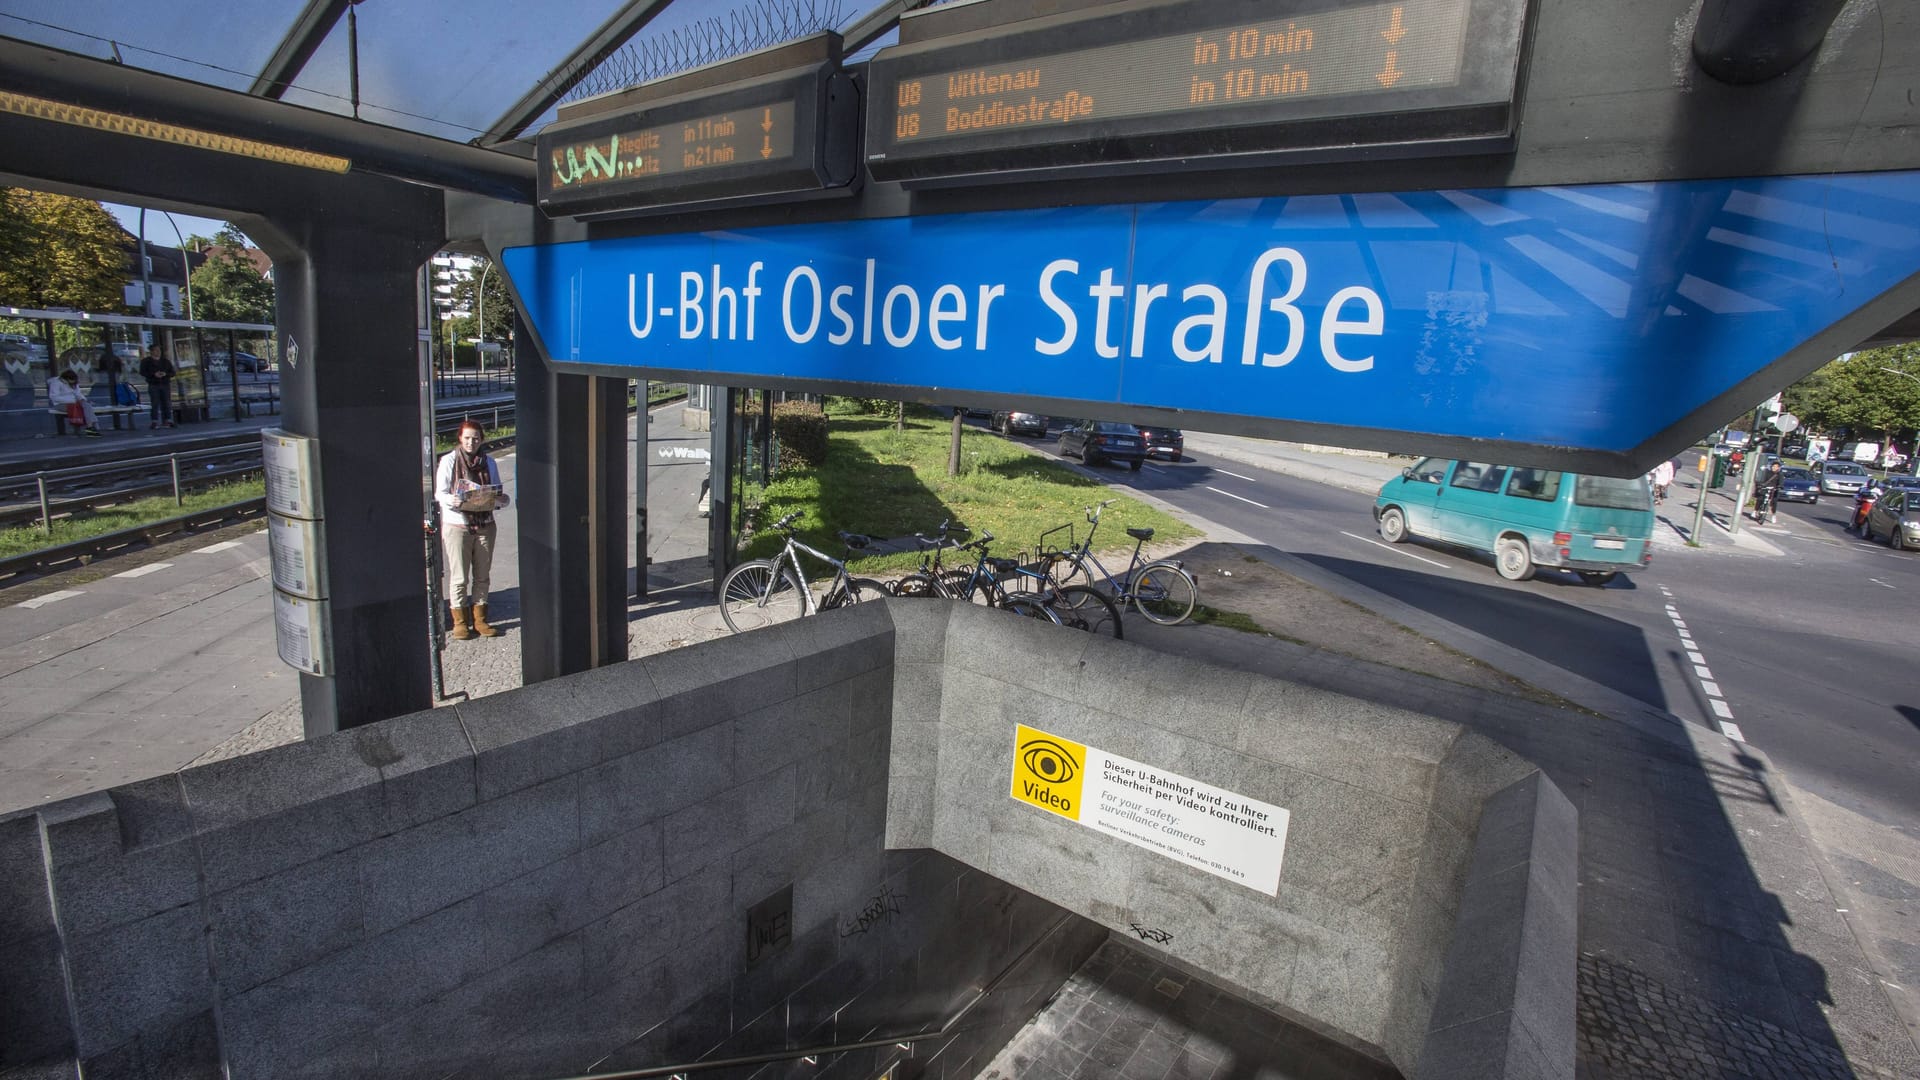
point(1750, 41)
point(346, 311)
point(572, 483)
point(720, 470)
point(642, 430)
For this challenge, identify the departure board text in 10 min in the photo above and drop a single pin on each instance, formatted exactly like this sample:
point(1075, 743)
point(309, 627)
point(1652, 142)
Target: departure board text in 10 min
point(735, 137)
point(1379, 49)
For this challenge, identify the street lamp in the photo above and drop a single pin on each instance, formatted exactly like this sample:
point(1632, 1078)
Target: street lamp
point(483, 313)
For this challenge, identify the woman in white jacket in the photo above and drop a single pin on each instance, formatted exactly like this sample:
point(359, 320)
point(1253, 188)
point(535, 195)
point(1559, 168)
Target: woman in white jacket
point(64, 392)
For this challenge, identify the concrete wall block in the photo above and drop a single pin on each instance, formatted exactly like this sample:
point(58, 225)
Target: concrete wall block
point(1026, 652)
point(26, 893)
point(267, 928)
point(655, 782)
point(1167, 692)
point(837, 645)
point(1420, 954)
point(713, 830)
point(717, 680)
point(787, 854)
point(1343, 981)
point(844, 771)
point(1442, 870)
point(910, 814)
point(916, 693)
point(866, 819)
point(1492, 1046)
point(33, 1004)
point(919, 631)
point(187, 1050)
point(1475, 767)
point(473, 1028)
point(635, 1023)
point(914, 753)
point(1343, 738)
point(425, 868)
point(1056, 858)
point(849, 894)
point(1351, 847)
point(872, 693)
point(526, 736)
point(760, 993)
point(114, 890)
point(559, 898)
point(152, 973)
point(103, 824)
point(626, 943)
point(766, 739)
point(426, 765)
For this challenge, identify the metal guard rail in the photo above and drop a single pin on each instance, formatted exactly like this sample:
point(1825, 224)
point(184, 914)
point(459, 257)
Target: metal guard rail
point(109, 543)
point(815, 1052)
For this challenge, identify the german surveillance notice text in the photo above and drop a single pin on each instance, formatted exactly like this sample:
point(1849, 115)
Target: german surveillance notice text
point(1224, 833)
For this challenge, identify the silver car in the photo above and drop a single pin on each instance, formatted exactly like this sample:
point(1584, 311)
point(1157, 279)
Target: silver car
point(1897, 517)
point(1842, 478)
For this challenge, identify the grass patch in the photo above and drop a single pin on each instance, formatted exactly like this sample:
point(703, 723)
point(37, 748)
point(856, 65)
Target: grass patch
point(86, 524)
point(1229, 620)
point(888, 483)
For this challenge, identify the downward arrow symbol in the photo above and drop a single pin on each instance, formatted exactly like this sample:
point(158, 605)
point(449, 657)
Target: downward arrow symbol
point(1394, 31)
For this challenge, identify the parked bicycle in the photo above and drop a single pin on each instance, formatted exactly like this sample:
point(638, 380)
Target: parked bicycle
point(1161, 589)
point(762, 592)
point(1075, 607)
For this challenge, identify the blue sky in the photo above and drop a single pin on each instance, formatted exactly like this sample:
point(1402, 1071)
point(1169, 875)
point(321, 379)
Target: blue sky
point(158, 230)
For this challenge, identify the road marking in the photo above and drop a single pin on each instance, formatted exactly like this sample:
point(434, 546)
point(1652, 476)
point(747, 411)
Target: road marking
point(143, 571)
point(1880, 583)
point(1732, 731)
point(49, 598)
point(222, 546)
point(1695, 657)
point(1235, 475)
point(1242, 498)
point(1720, 706)
point(1704, 675)
point(1397, 550)
point(1712, 689)
point(1678, 625)
point(1701, 670)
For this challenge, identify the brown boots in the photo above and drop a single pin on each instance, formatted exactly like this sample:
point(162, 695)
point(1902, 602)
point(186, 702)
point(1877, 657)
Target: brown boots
point(465, 630)
point(480, 625)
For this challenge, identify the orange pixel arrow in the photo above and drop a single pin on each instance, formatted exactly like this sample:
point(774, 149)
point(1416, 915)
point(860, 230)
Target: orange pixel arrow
point(766, 147)
point(1392, 74)
point(766, 121)
point(1394, 31)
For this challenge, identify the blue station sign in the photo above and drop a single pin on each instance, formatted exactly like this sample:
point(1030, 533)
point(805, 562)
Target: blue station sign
point(1589, 318)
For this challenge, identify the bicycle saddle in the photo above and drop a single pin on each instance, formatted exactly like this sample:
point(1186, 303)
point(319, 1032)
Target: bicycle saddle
point(1140, 534)
point(1003, 566)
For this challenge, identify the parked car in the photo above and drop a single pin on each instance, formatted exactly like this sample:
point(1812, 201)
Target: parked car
point(1898, 482)
point(1798, 485)
point(1596, 526)
point(1897, 518)
point(1094, 441)
point(1842, 478)
point(1020, 423)
point(1167, 442)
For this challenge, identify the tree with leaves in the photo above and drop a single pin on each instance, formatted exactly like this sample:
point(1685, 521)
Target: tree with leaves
point(59, 251)
point(1873, 395)
point(227, 288)
point(498, 306)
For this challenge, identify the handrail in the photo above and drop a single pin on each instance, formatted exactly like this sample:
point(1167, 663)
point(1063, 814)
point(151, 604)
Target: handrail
point(838, 1048)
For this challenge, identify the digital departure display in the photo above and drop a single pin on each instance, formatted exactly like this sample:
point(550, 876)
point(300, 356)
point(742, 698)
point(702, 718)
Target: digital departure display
point(767, 135)
point(739, 136)
point(1180, 80)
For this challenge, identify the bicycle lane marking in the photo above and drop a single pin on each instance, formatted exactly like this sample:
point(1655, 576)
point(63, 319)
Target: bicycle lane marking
point(1393, 548)
point(1242, 498)
point(1701, 673)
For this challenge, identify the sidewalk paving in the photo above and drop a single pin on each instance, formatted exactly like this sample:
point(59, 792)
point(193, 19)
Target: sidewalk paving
point(1711, 941)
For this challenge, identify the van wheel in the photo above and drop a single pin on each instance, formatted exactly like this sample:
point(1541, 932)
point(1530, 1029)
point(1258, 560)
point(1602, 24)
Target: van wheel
point(1598, 577)
point(1513, 559)
point(1393, 525)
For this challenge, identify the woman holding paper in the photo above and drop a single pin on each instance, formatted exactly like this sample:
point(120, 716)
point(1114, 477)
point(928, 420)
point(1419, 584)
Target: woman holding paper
point(467, 487)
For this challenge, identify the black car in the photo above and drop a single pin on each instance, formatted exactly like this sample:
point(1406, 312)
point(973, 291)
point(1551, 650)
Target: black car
point(1165, 442)
point(1020, 423)
point(1798, 485)
point(1094, 441)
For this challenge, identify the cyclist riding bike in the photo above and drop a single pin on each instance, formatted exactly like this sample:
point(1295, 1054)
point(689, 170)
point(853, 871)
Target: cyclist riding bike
point(1766, 492)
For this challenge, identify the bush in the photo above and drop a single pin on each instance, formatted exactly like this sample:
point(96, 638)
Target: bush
point(801, 429)
point(871, 406)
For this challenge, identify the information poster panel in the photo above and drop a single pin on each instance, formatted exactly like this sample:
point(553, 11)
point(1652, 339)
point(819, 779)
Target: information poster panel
point(296, 546)
point(292, 465)
point(300, 625)
point(1206, 827)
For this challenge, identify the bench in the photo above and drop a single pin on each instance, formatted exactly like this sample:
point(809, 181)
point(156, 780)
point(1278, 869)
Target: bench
point(59, 414)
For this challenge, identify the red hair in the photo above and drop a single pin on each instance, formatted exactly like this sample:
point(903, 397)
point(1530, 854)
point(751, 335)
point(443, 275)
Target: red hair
point(474, 424)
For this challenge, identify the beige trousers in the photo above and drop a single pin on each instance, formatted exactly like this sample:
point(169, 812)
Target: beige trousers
point(469, 557)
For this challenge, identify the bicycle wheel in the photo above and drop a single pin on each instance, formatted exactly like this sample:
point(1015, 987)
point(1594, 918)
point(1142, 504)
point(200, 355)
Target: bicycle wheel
point(857, 589)
point(1066, 571)
point(917, 586)
point(1031, 609)
point(759, 593)
point(1083, 607)
point(1164, 593)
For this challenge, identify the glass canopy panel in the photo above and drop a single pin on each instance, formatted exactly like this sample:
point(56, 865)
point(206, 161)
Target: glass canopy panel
point(217, 42)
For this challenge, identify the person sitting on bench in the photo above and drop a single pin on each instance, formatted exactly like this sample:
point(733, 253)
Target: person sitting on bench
point(64, 393)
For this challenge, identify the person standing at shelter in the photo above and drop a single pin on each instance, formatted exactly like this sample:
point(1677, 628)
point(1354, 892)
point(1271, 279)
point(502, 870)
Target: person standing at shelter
point(64, 393)
point(1661, 478)
point(467, 487)
point(158, 371)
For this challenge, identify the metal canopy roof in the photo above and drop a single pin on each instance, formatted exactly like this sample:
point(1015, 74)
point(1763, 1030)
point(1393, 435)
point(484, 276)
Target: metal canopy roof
point(476, 71)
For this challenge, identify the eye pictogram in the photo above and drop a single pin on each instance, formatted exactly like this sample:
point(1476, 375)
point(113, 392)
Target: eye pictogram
point(1049, 761)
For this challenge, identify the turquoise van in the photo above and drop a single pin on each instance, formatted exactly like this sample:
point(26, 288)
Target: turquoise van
point(1595, 526)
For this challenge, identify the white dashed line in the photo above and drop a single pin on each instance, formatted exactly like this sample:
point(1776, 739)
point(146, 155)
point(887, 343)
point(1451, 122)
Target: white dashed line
point(1678, 625)
point(1242, 498)
point(1696, 658)
point(1880, 583)
point(143, 571)
point(1397, 550)
point(222, 546)
point(1701, 672)
point(1732, 731)
point(50, 598)
point(1720, 707)
point(1235, 475)
point(1712, 688)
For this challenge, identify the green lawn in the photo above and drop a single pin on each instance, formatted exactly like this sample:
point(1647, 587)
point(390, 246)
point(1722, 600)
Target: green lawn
point(888, 483)
point(87, 524)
